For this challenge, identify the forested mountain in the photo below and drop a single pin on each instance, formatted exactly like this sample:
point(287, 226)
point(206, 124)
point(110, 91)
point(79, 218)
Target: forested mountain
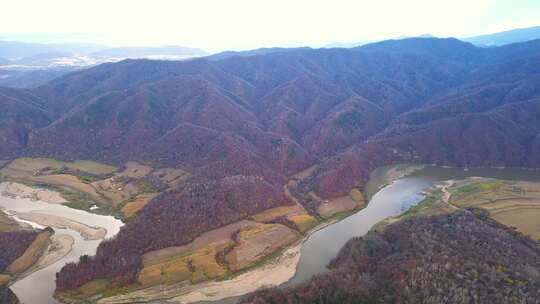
point(242, 125)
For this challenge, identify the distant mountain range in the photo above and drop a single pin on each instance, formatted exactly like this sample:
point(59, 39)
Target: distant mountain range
point(24, 65)
point(506, 37)
point(36, 53)
point(495, 39)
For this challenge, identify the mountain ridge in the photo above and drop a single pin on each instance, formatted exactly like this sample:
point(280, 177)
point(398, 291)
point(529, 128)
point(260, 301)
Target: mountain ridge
point(263, 118)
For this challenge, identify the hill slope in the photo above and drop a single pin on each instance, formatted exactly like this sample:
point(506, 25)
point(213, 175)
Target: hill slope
point(260, 119)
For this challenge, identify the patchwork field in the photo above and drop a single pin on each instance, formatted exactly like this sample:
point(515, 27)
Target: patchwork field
point(91, 186)
point(351, 202)
point(524, 219)
point(303, 222)
point(194, 266)
point(513, 203)
point(224, 251)
point(256, 242)
point(47, 164)
point(274, 213)
point(131, 208)
point(215, 253)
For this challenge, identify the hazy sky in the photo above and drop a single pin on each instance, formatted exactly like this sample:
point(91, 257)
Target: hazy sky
point(245, 24)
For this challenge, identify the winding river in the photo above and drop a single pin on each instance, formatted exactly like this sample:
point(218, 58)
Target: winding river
point(391, 200)
point(317, 250)
point(38, 287)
